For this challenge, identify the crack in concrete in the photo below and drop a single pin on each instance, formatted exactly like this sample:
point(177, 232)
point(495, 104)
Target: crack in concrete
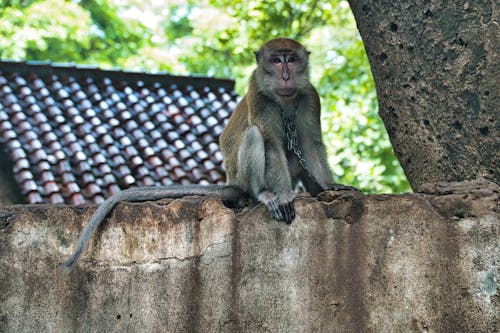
point(163, 260)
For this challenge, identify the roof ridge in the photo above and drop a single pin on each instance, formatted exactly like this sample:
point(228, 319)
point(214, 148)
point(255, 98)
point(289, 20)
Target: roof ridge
point(45, 68)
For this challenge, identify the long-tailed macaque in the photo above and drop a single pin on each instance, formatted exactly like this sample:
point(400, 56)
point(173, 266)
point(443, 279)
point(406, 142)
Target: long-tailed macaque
point(273, 140)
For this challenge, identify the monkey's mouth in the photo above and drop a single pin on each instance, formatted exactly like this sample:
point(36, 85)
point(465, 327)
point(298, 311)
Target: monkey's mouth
point(286, 92)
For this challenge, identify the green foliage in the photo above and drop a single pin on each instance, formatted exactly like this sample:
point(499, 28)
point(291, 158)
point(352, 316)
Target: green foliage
point(113, 39)
point(179, 25)
point(88, 31)
point(216, 38)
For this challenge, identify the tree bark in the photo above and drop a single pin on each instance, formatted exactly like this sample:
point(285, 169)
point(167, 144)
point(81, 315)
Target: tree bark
point(435, 66)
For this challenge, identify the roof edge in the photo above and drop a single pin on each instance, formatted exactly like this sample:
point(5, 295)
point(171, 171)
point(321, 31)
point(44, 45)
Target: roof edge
point(70, 69)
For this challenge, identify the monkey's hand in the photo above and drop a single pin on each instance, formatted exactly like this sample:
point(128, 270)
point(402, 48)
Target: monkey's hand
point(281, 207)
point(340, 187)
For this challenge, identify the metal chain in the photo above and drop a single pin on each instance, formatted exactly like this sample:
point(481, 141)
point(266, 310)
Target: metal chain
point(292, 141)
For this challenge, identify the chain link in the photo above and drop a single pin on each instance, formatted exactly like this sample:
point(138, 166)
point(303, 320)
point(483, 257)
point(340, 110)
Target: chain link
point(292, 141)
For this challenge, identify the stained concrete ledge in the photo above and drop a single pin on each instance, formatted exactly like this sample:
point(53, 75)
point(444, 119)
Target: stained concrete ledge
point(347, 263)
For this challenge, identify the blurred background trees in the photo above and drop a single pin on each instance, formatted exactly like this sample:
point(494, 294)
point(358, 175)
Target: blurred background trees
point(216, 38)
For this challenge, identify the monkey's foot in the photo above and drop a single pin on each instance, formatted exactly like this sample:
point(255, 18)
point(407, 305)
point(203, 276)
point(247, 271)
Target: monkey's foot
point(340, 187)
point(281, 208)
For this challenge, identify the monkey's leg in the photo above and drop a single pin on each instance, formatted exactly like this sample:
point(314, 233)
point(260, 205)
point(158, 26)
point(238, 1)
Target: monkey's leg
point(321, 181)
point(271, 186)
point(251, 162)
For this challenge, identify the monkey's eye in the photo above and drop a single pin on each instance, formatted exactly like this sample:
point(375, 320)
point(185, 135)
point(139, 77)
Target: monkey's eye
point(291, 59)
point(276, 60)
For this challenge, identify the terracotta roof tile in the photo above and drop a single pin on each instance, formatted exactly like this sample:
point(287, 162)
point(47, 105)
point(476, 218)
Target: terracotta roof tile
point(78, 134)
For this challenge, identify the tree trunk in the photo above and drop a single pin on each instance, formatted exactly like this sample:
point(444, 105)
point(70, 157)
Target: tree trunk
point(435, 65)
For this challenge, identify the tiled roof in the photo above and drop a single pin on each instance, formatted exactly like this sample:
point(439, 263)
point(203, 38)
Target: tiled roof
point(79, 134)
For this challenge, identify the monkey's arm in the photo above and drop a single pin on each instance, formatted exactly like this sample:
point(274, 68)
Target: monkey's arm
point(313, 148)
point(227, 193)
point(311, 145)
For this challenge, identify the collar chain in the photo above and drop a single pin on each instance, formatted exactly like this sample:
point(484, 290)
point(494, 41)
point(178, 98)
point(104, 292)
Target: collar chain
point(292, 140)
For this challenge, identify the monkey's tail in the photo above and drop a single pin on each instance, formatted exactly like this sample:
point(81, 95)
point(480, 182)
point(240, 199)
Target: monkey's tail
point(223, 192)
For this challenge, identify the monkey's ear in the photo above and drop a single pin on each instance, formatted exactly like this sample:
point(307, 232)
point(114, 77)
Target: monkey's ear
point(308, 52)
point(257, 54)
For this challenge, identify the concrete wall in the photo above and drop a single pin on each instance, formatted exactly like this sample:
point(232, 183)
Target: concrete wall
point(347, 263)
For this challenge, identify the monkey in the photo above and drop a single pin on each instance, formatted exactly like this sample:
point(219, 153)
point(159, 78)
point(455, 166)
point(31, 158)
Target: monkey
point(270, 143)
point(273, 139)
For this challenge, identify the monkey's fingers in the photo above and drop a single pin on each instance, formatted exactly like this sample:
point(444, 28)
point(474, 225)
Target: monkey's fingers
point(286, 206)
point(288, 212)
point(271, 201)
point(274, 208)
point(277, 214)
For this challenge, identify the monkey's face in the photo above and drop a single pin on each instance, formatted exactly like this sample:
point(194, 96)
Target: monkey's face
point(282, 67)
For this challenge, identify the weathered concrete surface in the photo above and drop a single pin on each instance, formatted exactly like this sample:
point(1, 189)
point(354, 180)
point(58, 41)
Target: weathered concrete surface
point(348, 263)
